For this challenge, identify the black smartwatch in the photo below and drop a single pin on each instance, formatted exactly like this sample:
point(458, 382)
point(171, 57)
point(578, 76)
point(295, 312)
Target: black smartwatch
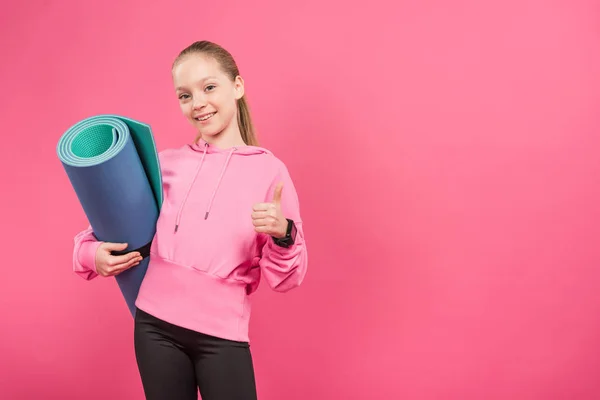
point(290, 235)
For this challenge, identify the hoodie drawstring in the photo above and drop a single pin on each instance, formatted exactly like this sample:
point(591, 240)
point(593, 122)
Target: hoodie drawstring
point(190, 188)
point(180, 212)
point(218, 182)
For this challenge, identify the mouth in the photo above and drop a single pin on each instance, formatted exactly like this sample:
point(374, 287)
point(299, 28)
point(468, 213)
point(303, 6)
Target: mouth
point(205, 117)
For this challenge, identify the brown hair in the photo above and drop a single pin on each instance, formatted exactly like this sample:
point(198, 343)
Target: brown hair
point(229, 66)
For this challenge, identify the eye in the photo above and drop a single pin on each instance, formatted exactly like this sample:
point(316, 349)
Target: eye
point(210, 87)
point(183, 96)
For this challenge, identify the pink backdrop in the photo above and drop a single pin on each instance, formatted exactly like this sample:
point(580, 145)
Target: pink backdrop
point(445, 153)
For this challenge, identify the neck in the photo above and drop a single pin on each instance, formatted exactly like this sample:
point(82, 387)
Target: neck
point(227, 138)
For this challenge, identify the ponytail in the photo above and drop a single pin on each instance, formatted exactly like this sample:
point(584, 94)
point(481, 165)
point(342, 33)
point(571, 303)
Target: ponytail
point(245, 123)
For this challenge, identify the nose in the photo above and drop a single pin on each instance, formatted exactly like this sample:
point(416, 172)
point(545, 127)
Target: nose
point(199, 102)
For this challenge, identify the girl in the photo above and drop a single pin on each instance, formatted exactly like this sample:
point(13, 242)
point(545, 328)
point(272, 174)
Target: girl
point(230, 215)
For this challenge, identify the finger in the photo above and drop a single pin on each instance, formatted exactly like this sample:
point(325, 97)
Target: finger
point(277, 194)
point(260, 222)
point(270, 222)
point(126, 267)
point(125, 258)
point(121, 270)
point(263, 229)
point(262, 214)
point(262, 206)
point(122, 267)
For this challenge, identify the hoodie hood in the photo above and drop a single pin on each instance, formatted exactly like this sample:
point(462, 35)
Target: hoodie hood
point(203, 148)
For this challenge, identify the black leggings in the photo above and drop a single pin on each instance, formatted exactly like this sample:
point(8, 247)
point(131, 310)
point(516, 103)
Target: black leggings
point(175, 362)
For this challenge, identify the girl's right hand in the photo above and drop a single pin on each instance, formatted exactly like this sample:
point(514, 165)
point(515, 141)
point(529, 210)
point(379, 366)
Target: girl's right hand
point(109, 265)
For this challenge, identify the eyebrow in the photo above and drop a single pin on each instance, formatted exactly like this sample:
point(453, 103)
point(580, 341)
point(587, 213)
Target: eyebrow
point(201, 80)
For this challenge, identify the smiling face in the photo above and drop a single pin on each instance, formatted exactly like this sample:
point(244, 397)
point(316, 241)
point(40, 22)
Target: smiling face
point(207, 96)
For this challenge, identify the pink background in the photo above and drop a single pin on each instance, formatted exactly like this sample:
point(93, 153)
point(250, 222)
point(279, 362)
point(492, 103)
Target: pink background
point(445, 153)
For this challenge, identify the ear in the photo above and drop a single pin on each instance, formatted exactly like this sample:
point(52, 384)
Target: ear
point(238, 85)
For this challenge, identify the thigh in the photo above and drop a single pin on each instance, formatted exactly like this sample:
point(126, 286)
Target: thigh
point(224, 370)
point(166, 371)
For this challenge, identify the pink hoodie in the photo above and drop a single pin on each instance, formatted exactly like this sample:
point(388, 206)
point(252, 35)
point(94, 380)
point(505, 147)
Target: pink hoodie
point(206, 258)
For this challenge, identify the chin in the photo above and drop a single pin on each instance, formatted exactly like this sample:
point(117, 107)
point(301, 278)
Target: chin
point(209, 131)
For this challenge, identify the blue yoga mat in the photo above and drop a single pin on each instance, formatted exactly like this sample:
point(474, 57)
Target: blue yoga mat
point(113, 166)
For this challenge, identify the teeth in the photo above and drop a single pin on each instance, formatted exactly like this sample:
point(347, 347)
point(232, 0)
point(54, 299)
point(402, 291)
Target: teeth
point(205, 117)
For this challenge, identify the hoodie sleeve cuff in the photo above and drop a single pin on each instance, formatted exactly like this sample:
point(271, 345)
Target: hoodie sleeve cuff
point(273, 247)
point(87, 254)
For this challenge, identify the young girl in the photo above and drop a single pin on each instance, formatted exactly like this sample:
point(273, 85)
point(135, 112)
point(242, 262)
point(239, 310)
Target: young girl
point(230, 215)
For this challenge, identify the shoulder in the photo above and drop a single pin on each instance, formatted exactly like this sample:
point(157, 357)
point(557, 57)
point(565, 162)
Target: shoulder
point(272, 161)
point(172, 151)
point(275, 170)
point(173, 154)
point(276, 162)
point(175, 160)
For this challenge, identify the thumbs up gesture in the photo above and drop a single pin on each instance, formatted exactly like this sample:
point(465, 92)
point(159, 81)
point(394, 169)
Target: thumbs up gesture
point(268, 217)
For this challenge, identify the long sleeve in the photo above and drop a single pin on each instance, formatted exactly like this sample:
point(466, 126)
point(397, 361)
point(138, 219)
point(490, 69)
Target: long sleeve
point(84, 254)
point(285, 268)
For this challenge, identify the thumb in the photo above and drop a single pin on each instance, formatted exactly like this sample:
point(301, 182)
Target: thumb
point(277, 194)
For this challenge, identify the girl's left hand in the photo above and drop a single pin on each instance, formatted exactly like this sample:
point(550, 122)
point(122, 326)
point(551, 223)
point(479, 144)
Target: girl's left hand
point(268, 217)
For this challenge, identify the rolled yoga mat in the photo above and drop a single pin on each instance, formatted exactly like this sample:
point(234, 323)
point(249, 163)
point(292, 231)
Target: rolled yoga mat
point(113, 166)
